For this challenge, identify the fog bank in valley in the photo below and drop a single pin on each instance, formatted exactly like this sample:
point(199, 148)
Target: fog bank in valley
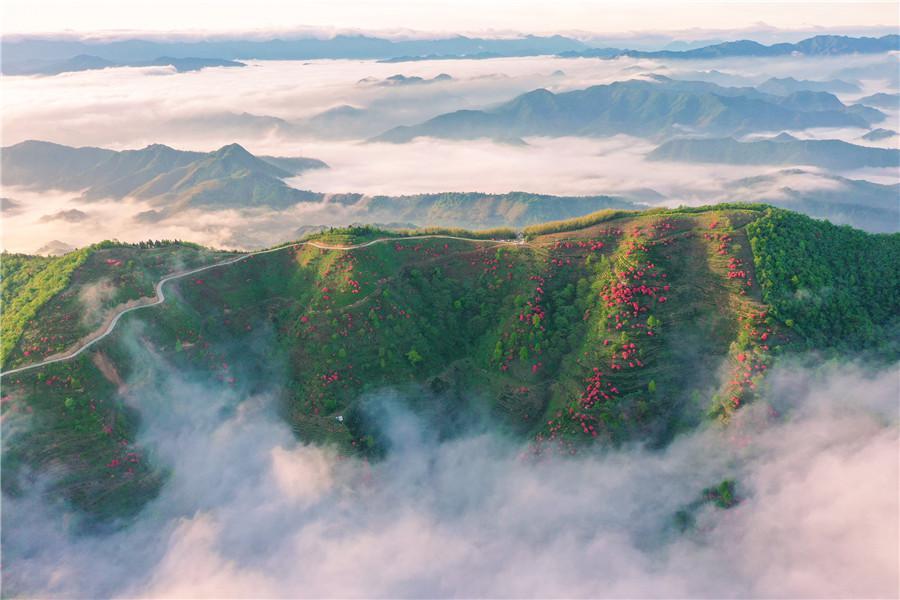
point(249, 511)
point(271, 108)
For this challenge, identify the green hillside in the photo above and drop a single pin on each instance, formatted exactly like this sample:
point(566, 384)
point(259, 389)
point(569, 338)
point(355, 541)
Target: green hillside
point(468, 209)
point(49, 304)
point(618, 327)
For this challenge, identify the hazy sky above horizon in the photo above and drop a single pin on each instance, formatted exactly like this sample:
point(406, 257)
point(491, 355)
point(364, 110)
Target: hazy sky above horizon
point(539, 16)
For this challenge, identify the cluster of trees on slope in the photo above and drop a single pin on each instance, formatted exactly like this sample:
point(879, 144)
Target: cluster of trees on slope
point(835, 286)
point(28, 283)
point(356, 234)
point(475, 209)
point(42, 313)
point(603, 216)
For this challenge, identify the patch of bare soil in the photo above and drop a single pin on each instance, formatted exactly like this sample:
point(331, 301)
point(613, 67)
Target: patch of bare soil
point(109, 371)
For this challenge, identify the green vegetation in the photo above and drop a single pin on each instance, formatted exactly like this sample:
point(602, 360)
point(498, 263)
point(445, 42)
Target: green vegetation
point(603, 216)
point(51, 303)
point(28, 283)
point(496, 233)
point(475, 209)
point(722, 496)
point(832, 286)
point(595, 218)
point(609, 329)
point(359, 234)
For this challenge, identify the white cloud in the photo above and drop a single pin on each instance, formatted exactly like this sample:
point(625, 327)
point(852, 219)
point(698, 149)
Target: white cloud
point(302, 474)
point(469, 517)
point(131, 107)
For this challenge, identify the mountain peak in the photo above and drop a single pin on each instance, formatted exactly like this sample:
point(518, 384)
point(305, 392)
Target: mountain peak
point(233, 150)
point(159, 148)
point(784, 136)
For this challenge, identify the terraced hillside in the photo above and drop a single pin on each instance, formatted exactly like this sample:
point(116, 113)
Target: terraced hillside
point(615, 327)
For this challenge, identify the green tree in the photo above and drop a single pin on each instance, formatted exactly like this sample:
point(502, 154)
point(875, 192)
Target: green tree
point(498, 351)
point(414, 357)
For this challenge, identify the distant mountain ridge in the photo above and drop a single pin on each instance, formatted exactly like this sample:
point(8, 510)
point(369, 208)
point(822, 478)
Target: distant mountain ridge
point(862, 204)
point(87, 62)
point(36, 54)
point(660, 106)
point(882, 100)
point(230, 176)
point(784, 86)
point(879, 134)
point(781, 150)
point(820, 45)
point(233, 178)
point(18, 52)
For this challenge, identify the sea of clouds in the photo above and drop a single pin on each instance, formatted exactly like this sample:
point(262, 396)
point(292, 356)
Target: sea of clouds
point(265, 105)
point(250, 511)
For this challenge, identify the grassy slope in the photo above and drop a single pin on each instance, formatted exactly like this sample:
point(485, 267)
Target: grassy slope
point(624, 326)
point(52, 303)
point(29, 282)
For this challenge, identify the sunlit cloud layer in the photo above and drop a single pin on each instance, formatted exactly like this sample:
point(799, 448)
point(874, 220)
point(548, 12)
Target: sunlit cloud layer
point(250, 512)
point(265, 106)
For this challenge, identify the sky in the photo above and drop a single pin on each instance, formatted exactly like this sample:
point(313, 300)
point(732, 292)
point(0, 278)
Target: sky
point(539, 16)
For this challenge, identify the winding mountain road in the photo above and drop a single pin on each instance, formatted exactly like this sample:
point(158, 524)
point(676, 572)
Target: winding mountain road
point(161, 296)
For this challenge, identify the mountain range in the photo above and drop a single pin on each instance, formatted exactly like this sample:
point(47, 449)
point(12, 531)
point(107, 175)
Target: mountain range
point(36, 54)
point(780, 150)
point(785, 86)
point(866, 205)
point(876, 135)
point(87, 62)
point(231, 177)
point(400, 80)
point(228, 177)
point(650, 108)
point(18, 53)
point(882, 100)
point(820, 45)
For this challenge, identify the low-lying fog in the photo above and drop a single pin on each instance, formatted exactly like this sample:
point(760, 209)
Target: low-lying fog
point(248, 511)
point(265, 107)
point(566, 166)
point(133, 107)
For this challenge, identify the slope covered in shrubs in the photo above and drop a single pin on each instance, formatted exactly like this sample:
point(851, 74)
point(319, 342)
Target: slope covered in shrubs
point(615, 328)
point(833, 286)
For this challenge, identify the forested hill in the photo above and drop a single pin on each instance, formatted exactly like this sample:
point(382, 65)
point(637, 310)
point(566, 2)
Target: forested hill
point(615, 327)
